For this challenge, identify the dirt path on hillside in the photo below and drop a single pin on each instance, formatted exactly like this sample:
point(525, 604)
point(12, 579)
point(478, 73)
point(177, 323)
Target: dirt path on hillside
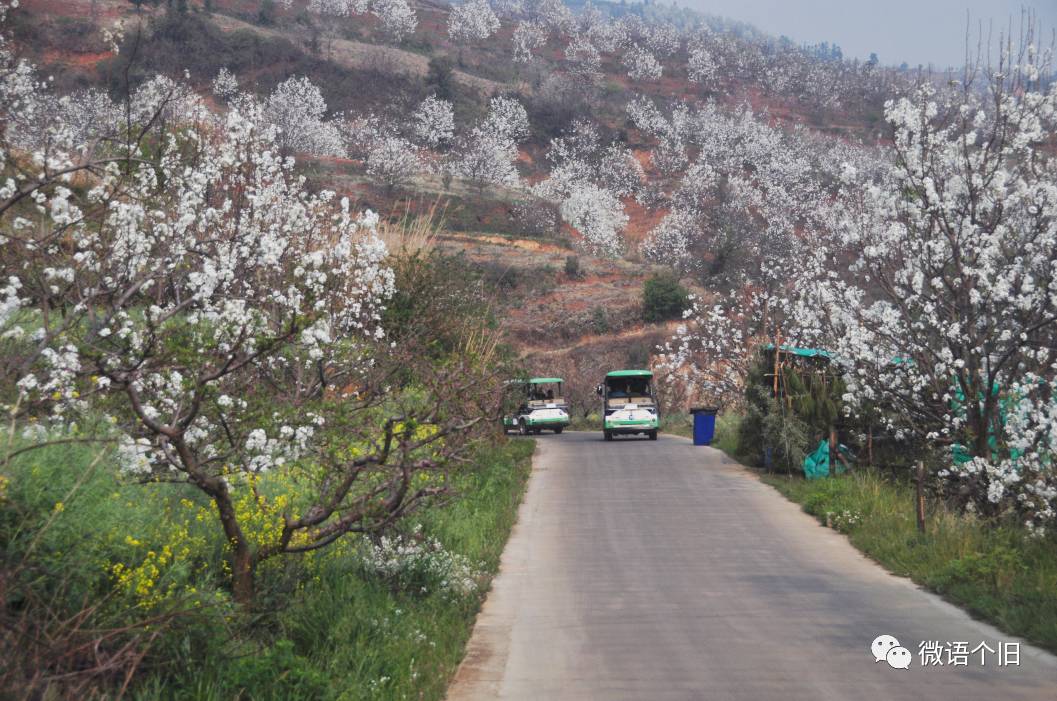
point(358, 54)
point(632, 334)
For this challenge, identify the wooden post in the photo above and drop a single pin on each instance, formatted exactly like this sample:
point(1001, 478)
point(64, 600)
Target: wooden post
point(832, 451)
point(869, 446)
point(919, 502)
point(777, 350)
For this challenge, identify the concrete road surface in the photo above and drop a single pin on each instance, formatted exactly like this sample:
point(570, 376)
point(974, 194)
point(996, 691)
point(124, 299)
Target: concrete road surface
point(657, 570)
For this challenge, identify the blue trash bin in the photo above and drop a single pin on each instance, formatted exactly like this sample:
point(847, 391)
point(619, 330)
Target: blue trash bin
point(704, 424)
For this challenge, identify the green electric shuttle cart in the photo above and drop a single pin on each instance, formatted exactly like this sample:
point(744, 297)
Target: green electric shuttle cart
point(629, 405)
point(536, 404)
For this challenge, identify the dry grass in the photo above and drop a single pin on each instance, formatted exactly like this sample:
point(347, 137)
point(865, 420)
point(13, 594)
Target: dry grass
point(411, 234)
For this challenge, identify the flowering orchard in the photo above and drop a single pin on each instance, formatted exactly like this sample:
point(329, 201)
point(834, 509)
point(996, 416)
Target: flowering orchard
point(947, 315)
point(399, 142)
point(175, 274)
point(588, 181)
point(928, 270)
point(740, 219)
point(396, 17)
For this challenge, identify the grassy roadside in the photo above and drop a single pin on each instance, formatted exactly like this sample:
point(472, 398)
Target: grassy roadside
point(726, 436)
point(368, 641)
point(996, 572)
point(344, 623)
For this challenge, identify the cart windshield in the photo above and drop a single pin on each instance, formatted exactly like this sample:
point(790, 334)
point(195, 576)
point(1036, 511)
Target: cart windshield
point(621, 391)
point(543, 393)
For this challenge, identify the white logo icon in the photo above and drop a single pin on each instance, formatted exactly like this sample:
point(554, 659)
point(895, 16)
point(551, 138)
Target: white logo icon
point(899, 658)
point(881, 645)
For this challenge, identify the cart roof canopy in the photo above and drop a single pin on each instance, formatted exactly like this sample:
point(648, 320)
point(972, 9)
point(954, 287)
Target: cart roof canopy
point(630, 373)
point(544, 380)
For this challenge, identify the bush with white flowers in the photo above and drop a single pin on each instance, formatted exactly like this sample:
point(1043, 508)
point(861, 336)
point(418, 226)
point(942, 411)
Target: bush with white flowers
point(420, 565)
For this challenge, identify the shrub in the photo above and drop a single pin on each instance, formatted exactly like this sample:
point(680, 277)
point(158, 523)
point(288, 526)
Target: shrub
point(266, 14)
point(440, 77)
point(663, 298)
point(600, 320)
point(82, 612)
point(787, 439)
point(420, 565)
point(572, 267)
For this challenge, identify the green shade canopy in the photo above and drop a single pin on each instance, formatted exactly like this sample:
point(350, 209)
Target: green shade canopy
point(630, 373)
point(544, 380)
point(803, 352)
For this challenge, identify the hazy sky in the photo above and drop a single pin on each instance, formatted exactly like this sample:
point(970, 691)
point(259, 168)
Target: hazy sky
point(915, 31)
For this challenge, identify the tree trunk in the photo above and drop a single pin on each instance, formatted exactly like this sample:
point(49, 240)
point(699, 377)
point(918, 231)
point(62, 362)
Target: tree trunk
point(919, 501)
point(832, 451)
point(977, 416)
point(242, 571)
point(242, 564)
point(242, 560)
point(869, 446)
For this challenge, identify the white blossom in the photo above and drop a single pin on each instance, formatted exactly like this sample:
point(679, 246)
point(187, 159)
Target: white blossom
point(599, 217)
point(641, 64)
point(298, 111)
point(472, 21)
point(225, 84)
point(528, 36)
point(397, 17)
point(434, 122)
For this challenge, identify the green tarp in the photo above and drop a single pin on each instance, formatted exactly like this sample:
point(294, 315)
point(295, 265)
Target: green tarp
point(816, 465)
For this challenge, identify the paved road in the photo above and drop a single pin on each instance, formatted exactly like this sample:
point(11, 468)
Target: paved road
point(642, 570)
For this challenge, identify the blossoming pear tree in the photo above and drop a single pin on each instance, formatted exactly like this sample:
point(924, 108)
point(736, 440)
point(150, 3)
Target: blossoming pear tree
point(641, 64)
point(486, 154)
point(179, 277)
point(944, 310)
point(473, 20)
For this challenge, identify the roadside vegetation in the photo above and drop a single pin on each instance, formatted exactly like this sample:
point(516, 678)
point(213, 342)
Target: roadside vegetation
point(114, 577)
point(250, 446)
point(992, 564)
point(995, 570)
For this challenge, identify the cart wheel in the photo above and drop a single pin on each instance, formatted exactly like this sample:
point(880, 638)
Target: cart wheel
point(653, 435)
point(559, 429)
point(522, 428)
point(608, 435)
